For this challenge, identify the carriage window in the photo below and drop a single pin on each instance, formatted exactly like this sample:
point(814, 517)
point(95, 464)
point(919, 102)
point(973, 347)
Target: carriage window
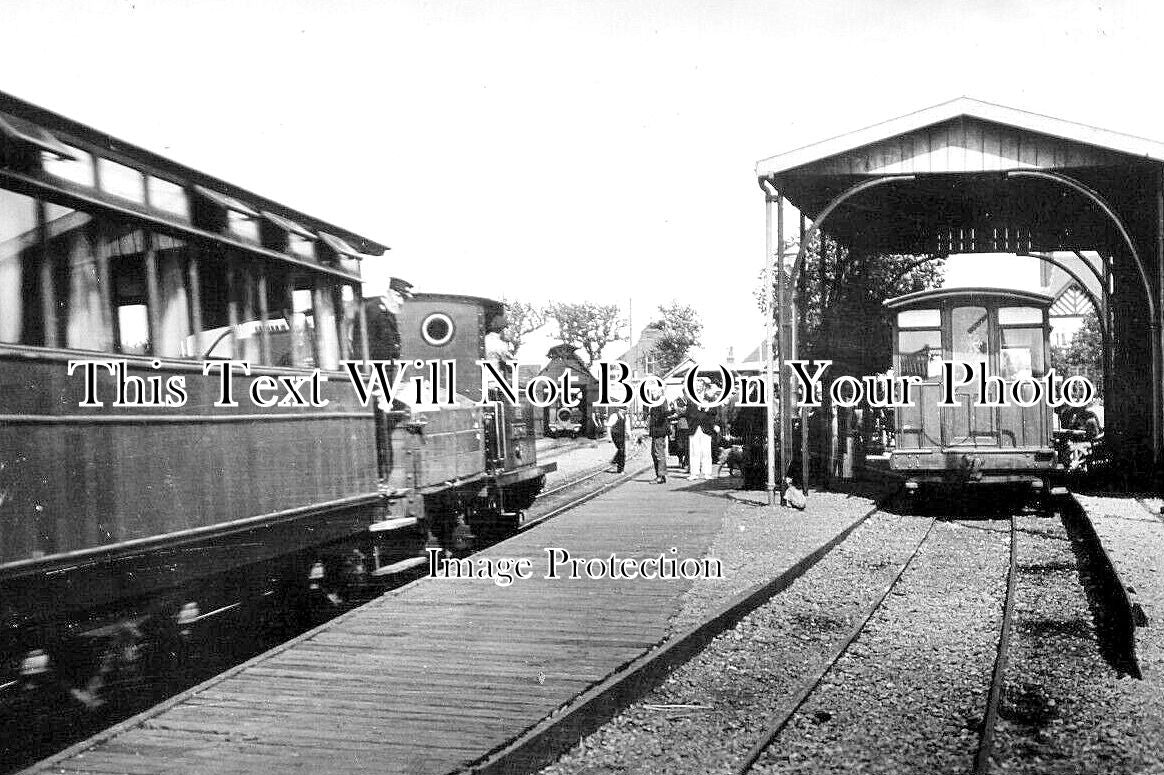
point(349, 323)
point(172, 259)
point(301, 246)
point(168, 196)
point(921, 353)
point(243, 225)
point(81, 315)
point(1022, 353)
point(291, 321)
point(250, 330)
point(302, 325)
point(970, 335)
point(21, 317)
point(125, 252)
point(230, 291)
point(327, 323)
point(122, 181)
point(919, 318)
point(78, 171)
point(1030, 316)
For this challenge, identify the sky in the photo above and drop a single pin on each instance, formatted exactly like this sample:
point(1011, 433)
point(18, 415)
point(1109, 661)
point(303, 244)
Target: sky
point(559, 151)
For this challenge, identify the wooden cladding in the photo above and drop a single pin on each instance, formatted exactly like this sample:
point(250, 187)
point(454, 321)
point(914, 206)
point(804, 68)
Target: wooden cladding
point(963, 144)
point(73, 484)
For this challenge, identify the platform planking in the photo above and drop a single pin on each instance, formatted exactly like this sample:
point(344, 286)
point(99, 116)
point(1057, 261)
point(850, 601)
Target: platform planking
point(433, 676)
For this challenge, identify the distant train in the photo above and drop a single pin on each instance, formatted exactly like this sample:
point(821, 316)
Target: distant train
point(1006, 332)
point(125, 523)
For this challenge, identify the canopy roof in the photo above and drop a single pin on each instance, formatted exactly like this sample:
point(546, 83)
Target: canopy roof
point(960, 185)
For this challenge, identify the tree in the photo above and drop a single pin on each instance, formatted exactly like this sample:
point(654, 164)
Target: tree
point(521, 318)
point(1084, 355)
point(680, 329)
point(587, 326)
point(841, 302)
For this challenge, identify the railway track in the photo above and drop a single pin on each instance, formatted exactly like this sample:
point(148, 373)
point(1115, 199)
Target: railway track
point(790, 708)
point(805, 696)
point(982, 761)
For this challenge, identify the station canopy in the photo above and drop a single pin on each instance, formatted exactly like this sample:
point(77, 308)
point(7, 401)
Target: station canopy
point(967, 176)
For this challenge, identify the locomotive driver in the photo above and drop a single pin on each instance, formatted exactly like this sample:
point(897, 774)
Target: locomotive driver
point(384, 345)
point(380, 312)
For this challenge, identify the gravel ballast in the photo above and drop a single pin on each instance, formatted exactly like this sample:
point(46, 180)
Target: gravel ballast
point(1068, 704)
point(910, 695)
point(709, 713)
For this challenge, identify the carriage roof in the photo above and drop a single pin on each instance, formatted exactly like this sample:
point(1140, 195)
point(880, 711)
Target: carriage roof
point(944, 294)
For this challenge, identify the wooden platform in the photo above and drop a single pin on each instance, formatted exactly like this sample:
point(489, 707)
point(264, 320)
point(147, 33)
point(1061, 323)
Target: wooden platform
point(433, 676)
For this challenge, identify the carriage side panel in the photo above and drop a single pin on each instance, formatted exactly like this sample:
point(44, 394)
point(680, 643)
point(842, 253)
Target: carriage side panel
point(74, 479)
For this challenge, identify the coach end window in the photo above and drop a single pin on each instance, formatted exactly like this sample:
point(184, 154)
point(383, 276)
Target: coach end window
point(970, 336)
point(919, 343)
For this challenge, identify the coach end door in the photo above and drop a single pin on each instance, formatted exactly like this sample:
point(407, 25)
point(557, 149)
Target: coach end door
point(966, 424)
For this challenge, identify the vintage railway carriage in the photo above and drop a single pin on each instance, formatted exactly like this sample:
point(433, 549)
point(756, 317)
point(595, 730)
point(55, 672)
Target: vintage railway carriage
point(1005, 332)
point(113, 254)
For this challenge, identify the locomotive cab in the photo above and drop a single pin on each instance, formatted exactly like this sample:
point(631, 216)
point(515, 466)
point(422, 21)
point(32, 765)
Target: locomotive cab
point(986, 434)
point(475, 464)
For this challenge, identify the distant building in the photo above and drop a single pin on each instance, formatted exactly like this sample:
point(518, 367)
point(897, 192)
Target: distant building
point(563, 358)
point(1071, 303)
point(642, 357)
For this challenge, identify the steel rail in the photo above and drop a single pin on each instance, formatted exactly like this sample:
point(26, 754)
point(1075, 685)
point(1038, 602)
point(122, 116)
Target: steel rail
point(813, 682)
point(986, 742)
point(583, 498)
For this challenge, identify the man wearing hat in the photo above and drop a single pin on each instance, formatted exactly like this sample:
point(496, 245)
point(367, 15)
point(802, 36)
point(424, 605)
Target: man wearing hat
point(380, 313)
point(384, 345)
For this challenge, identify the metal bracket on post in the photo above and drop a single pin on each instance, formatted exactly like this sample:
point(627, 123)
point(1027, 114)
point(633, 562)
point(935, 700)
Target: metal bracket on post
point(1154, 309)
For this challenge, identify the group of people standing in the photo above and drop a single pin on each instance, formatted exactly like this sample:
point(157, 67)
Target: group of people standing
point(695, 424)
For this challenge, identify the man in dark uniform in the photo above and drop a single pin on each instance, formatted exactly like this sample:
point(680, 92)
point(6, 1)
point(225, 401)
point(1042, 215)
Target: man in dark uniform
point(380, 315)
point(384, 345)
